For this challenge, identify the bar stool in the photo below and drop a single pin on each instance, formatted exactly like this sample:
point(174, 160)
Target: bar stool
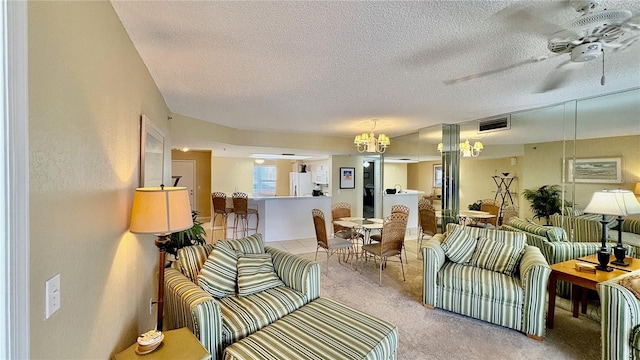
point(219, 200)
point(242, 212)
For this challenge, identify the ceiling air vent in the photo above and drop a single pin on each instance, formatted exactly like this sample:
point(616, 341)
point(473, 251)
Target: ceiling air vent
point(495, 124)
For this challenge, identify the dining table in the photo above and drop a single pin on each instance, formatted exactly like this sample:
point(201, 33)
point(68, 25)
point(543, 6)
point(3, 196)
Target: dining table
point(471, 217)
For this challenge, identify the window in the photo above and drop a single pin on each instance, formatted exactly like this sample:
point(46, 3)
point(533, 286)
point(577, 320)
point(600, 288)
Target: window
point(264, 180)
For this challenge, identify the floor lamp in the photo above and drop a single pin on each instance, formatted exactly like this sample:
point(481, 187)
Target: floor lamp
point(617, 203)
point(160, 211)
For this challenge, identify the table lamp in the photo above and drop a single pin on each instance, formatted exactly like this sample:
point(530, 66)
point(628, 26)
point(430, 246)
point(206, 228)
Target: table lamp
point(160, 211)
point(612, 202)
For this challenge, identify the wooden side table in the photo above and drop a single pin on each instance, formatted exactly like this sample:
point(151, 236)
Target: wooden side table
point(177, 344)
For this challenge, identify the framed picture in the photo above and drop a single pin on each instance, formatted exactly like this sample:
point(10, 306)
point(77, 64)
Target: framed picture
point(595, 170)
point(152, 141)
point(347, 178)
point(437, 176)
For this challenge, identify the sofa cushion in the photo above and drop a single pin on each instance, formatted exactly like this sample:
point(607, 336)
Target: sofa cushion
point(480, 283)
point(219, 273)
point(252, 244)
point(511, 237)
point(496, 256)
point(256, 274)
point(551, 233)
point(191, 259)
point(632, 283)
point(459, 245)
point(243, 316)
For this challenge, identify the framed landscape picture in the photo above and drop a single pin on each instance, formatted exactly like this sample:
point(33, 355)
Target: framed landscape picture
point(347, 178)
point(595, 170)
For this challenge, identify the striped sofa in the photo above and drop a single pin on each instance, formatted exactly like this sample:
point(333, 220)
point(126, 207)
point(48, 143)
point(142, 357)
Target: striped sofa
point(620, 319)
point(515, 301)
point(271, 322)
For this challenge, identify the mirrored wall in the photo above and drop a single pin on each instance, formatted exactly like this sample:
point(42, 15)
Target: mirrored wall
point(539, 147)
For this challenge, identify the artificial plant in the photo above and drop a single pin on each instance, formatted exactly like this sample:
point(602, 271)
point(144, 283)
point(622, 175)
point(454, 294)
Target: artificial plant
point(545, 201)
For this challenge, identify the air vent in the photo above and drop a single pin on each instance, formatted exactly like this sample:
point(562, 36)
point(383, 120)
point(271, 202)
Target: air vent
point(496, 124)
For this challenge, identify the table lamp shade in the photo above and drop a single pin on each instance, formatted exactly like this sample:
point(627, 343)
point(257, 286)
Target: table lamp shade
point(613, 202)
point(637, 189)
point(160, 210)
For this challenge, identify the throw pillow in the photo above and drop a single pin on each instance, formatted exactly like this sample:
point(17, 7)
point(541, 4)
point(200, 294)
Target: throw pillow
point(252, 244)
point(191, 259)
point(497, 256)
point(632, 283)
point(256, 274)
point(219, 273)
point(459, 245)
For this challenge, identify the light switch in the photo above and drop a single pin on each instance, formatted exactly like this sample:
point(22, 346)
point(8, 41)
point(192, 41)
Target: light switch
point(52, 296)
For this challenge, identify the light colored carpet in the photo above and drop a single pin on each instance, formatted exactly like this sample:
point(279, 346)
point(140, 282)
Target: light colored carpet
point(439, 334)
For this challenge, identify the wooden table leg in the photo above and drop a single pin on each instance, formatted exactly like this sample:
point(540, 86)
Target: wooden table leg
point(575, 299)
point(585, 300)
point(553, 279)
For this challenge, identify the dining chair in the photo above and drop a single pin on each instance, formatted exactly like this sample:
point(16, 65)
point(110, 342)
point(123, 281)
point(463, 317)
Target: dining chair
point(395, 209)
point(329, 245)
point(220, 210)
point(243, 211)
point(338, 211)
point(393, 231)
point(428, 223)
point(492, 209)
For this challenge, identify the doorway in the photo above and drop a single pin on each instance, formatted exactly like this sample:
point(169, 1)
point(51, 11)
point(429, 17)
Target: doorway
point(183, 173)
point(371, 183)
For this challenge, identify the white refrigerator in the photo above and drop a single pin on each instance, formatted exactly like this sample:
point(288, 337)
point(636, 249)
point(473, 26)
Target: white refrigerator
point(300, 184)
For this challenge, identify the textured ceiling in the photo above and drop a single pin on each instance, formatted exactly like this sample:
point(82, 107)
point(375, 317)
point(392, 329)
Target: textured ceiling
point(331, 67)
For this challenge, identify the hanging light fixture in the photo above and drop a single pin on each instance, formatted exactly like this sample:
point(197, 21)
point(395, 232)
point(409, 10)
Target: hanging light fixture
point(369, 143)
point(466, 149)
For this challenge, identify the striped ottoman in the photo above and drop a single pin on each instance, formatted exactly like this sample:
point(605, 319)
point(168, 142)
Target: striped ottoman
point(323, 329)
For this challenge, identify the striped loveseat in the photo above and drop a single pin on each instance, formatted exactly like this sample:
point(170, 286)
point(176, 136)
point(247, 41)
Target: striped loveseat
point(479, 285)
point(219, 322)
point(555, 245)
point(620, 317)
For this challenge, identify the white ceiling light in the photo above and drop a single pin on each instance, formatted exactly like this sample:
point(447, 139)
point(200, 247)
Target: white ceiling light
point(466, 149)
point(259, 161)
point(369, 143)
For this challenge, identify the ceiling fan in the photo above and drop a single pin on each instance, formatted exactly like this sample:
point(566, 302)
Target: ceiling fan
point(584, 39)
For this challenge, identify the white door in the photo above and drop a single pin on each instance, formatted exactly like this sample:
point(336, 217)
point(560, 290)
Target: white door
point(184, 171)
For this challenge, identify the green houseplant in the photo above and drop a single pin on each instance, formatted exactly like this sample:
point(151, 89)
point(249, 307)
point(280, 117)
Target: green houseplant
point(192, 236)
point(545, 201)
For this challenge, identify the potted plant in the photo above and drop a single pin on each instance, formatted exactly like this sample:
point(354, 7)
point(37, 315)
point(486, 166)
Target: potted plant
point(192, 236)
point(545, 201)
point(475, 206)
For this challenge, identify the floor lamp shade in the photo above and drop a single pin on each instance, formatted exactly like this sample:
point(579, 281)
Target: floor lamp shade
point(160, 210)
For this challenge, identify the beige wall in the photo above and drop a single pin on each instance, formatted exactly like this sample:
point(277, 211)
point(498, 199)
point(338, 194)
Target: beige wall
point(203, 177)
point(351, 196)
point(87, 90)
point(395, 173)
point(229, 175)
point(476, 178)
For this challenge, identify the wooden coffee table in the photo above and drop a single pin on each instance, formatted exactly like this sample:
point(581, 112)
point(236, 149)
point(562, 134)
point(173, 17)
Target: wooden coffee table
point(566, 271)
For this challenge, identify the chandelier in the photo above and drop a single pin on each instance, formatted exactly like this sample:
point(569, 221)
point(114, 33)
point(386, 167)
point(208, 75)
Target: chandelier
point(369, 143)
point(466, 149)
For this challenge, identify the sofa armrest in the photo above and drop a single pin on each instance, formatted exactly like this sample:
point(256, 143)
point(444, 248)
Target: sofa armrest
point(186, 304)
point(534, 276)
point(297, 273)
point(620, 314)
point(433, 259)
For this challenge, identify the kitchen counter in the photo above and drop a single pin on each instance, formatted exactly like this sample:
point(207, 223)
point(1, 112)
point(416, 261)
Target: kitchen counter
point(289, 217)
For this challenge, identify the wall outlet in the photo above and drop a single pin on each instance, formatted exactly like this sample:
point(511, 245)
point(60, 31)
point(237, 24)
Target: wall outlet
point(151, 306)
point(52, 296)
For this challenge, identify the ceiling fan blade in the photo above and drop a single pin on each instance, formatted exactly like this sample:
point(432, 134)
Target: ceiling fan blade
point(530, 17)
point(495, 71)
point(558, 77)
